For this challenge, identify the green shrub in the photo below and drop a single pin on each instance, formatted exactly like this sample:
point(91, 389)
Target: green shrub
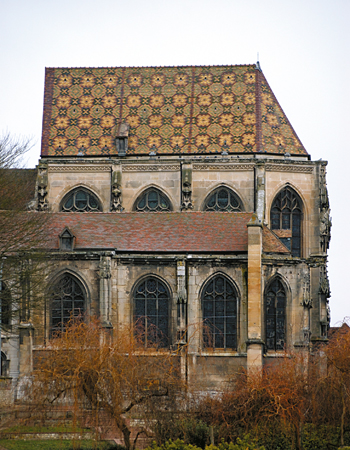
point(242, 444)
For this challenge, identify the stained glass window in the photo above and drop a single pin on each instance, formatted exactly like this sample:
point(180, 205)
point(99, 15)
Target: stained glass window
point(286, 219)
point(219, 302)
point(151, 311)
point(67, 302)
point(223, 199)
point(153, 200)
point(80, 200)
point(275, 315)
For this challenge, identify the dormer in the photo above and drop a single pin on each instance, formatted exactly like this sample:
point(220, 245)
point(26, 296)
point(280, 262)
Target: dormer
point(122, 138)
point(67, 240)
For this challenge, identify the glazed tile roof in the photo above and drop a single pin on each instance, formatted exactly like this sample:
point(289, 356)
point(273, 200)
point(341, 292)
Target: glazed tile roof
point(170, 110)
point(207, 232)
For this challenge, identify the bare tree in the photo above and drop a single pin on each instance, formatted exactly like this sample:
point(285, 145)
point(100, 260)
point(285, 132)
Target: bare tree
point(12, 150)
point(22, 235)
point(88, 369)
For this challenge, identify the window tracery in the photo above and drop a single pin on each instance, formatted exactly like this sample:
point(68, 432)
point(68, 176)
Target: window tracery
point(219, 302)
point(153, 201)
point(67, 301)
point(275, 315)
point(286, 219)
point(80, 200)
point(223, 199)
point(151, 311)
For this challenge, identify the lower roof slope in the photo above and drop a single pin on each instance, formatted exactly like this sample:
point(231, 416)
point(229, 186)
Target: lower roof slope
point(190, 232)
point(169, 110)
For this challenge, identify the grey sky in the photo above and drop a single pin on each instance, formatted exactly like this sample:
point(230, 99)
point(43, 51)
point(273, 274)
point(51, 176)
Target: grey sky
point(304, 54)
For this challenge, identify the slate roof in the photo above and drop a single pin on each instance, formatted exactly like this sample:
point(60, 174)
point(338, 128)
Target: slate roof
point(170, 110)
point(190, 232)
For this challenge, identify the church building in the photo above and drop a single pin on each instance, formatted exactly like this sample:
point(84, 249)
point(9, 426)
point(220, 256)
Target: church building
point(181, 198)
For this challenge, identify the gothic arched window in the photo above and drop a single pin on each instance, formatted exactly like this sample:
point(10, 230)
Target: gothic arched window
point(153, 200)
point(67, 301)
point(219, 302)
point(286, 219)
point(4, 365)
point(275, 315)
point(151, 311)
point(5, 298)
point(80, 200)
point(223, 199)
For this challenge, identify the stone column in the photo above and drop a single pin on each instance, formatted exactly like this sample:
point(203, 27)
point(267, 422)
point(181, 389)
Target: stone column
point(260, 190)
point(254, 343)
point(181, 332)
point(105, 290)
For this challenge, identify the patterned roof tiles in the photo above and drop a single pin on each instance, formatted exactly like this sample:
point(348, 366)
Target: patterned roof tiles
point(204, 232)
point(172, 110)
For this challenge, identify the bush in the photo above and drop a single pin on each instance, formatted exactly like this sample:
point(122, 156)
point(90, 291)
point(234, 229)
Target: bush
point(242, 444)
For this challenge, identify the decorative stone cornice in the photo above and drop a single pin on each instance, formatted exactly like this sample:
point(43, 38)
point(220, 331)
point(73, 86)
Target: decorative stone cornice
point(151, 167)
point(73, 168)
point(288, 168)
point(224, 167)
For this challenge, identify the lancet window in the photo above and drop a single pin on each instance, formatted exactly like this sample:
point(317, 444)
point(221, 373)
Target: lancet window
point(286, 219)
point(67, 301)
point(151, 311)
point(223, 199)
point(219, 302)
point(275, 315)
point(80, 200)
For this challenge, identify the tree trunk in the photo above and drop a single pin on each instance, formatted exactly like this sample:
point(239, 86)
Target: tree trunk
point(121, 424)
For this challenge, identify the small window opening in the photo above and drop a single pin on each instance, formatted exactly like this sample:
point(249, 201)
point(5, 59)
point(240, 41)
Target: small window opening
point(66, 240)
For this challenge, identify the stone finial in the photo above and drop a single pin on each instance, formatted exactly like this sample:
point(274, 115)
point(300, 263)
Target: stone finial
point(186, 187)
point(42, 183)
point(116, 191)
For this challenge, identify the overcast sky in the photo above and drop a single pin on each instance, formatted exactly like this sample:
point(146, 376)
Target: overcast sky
point(303, 49)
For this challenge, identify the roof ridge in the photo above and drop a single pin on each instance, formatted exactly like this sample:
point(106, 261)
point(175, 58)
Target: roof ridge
point(152, 67)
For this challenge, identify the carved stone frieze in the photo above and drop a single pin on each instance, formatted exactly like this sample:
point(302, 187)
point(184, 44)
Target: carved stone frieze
point(223, 167)
point(87, 168)
point(288, 168)
point(151, 167)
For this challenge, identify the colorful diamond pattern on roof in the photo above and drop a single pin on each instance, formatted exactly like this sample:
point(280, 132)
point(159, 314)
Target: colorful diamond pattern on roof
point(170, 110)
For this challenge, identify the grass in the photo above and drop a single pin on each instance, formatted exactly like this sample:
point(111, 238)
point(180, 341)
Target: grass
point(11, 444)
point(68, 428)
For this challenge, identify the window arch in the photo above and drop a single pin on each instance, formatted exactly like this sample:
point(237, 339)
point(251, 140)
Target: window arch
point(80, 200)
point(5, 297)
point(275, 315)
point(153, 200)
point(4, 365)
point(67, 300)
point(286, 219)
point(151, 311)
point(220, 305)
point(223, 199)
